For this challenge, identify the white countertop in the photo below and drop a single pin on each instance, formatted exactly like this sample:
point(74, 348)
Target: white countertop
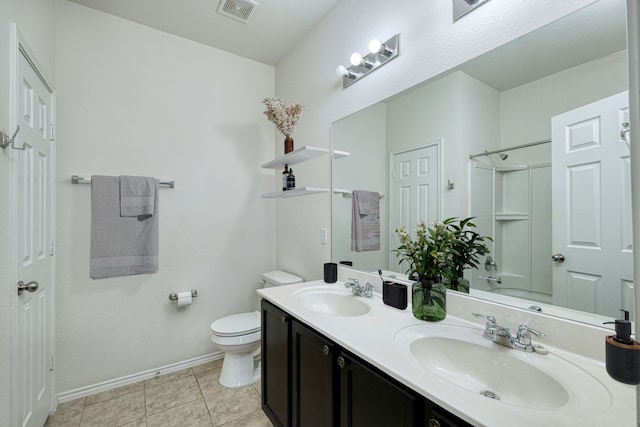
point(374, 338)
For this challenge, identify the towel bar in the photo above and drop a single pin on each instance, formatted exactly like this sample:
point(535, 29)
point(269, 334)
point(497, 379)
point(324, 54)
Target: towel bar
point(75, 179)
point(348, 193)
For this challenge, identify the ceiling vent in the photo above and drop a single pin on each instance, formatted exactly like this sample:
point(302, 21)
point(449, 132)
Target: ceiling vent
point(240, 10)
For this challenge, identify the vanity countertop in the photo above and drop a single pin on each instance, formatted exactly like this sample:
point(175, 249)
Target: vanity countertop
point(374, 337)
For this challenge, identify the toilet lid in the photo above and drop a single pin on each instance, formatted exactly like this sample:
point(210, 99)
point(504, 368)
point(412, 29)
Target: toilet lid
point(237, 324)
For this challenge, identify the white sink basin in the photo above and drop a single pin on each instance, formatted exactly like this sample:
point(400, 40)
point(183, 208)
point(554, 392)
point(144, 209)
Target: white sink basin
point(332, 301)
point(461, 356)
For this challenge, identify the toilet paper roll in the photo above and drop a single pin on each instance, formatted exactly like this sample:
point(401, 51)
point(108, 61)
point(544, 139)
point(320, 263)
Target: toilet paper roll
point(184, 298)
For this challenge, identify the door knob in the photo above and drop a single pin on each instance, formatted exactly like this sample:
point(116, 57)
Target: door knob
point(32, 286)
point(557, 258)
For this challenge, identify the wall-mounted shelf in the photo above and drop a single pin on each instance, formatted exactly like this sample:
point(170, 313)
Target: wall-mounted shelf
point(296, 156)
point(338, 154)
point(303, 191)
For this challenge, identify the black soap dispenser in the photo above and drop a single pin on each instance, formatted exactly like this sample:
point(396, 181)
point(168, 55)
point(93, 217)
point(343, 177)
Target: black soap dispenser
point(623, 353)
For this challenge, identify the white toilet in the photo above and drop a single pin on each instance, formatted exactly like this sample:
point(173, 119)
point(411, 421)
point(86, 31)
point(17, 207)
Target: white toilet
point(238, 336)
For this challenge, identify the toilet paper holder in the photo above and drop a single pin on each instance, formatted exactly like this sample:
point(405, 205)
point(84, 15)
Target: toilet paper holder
point(173, 296)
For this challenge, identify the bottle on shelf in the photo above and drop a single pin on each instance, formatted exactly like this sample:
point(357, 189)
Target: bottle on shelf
point(291, 180)
point(285, 176)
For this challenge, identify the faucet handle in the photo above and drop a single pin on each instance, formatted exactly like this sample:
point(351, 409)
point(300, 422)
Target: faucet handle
point(353, 280)
point(368, 290)
point(523, 328)
point(523, 338)
point(490, 319)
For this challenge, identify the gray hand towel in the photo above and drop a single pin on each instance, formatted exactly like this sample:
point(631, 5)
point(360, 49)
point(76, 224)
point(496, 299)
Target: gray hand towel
point(120, 246)
point(365, 221)
point(137, 195)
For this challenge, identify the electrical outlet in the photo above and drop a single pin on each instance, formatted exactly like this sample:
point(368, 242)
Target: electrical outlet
point(324, 235)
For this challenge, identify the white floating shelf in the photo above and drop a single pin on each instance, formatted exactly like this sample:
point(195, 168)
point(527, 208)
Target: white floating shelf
point(296, 156)
point(338, 154)
point(303, 191)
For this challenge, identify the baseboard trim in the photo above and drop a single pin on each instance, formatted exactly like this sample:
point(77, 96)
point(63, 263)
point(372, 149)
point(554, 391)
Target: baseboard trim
point(77, 393)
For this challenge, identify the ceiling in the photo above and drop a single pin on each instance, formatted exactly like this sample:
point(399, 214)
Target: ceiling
point(273, 28)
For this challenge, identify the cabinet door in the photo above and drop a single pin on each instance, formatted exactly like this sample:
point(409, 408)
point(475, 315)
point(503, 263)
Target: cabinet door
point(276, 350)
point(369, 399)
point(312, 378)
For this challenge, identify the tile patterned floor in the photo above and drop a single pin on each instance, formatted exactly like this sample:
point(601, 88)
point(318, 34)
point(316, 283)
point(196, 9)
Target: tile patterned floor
point(189, 398)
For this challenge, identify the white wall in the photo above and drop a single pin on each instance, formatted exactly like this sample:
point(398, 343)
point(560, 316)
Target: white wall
point(35, 21)
point(133, 100)
point(430, 44)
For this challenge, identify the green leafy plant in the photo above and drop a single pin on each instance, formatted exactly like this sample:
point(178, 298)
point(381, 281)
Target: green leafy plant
point(429, 254)
point(443, 249)
point(466, 249)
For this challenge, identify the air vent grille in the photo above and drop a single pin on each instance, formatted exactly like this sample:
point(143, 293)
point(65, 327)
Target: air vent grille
point(240, 10)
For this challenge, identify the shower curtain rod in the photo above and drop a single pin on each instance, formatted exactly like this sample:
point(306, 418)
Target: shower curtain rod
point(516, 147)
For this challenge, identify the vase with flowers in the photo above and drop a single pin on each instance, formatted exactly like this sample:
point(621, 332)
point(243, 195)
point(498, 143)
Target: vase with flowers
point(427, 258)
point(284, 117)
point(466, 248)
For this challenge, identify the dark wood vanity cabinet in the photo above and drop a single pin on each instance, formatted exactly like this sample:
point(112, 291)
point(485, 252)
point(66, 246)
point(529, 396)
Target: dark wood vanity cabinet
point(276, 364)
point(309, 381)
point(370, 398)
point(312, 378)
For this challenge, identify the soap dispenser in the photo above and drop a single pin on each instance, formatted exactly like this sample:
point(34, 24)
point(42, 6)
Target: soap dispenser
point(623, 353)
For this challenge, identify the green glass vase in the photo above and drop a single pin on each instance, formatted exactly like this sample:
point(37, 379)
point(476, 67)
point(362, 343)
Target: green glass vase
point(460, 284)
point(429, 299)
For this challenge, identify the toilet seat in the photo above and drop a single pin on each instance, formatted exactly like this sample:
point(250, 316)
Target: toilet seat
point(237, 325)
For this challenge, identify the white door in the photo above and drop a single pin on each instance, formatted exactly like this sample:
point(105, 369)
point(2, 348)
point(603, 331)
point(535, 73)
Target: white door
point(415, 192)
point(32, 177)
point(592, 208)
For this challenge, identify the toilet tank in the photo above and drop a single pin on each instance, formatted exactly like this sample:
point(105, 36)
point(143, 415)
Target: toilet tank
point(280, 278)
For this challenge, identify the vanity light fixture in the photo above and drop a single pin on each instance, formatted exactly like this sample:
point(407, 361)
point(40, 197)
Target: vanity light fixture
point(341, 70)
point(379, 54)
point(357, 59)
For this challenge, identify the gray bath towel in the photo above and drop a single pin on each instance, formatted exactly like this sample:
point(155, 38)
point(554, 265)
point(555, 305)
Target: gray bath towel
point(365, 221)
point(120, 246)
point(137, 195)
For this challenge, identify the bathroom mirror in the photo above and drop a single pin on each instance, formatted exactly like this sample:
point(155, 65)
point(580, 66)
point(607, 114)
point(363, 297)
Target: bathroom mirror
point(502, 99)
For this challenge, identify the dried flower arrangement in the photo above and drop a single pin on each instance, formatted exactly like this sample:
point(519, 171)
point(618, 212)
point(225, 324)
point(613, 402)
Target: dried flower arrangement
point(283, 116)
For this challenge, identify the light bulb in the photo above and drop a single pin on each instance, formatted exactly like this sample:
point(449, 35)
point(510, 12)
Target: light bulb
point(356, 59)
point(341, 70)
point(374, 46)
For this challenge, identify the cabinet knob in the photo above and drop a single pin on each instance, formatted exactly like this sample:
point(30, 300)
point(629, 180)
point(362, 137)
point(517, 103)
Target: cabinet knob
point(283, 319)
point(433, 423)
point(341, 362)
point(325, 350)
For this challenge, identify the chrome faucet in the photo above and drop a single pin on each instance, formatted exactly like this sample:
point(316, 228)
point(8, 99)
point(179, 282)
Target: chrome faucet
point(359, 290)
point(501, 335)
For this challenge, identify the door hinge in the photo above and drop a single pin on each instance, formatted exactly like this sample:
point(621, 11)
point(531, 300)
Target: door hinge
point(52, 247)
point(52, 362)
point(52, 132)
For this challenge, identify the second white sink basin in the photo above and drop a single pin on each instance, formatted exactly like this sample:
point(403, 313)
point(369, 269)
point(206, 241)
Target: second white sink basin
point(462, 357)
point(335, 302)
